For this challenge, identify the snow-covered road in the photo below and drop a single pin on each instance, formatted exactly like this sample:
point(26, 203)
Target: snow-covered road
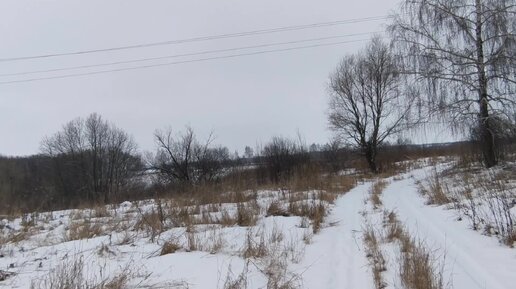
point(336, 258)
point(472, 260)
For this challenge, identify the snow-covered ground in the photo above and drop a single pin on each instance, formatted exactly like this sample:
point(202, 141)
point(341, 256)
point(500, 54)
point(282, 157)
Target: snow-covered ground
point(267, 239)
point(472, 260)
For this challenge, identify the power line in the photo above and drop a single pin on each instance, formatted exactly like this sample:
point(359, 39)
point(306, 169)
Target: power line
point(181, 62)
point(184, 55)
point(205, 38)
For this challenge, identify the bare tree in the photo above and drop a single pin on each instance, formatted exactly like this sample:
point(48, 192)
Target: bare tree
point(367, 105)
point(281, 156)
point(181, 158)
point(92, 158)
point(464, 53)
point(248, 152)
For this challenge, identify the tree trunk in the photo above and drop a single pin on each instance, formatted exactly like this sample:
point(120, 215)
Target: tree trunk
point(486, 134)
point(370, 154)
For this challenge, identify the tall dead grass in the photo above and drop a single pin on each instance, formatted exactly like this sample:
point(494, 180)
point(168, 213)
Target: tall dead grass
point(376, 192)
point(419, 267)
point(72, 275)
point(374, 254)
point(434, 190)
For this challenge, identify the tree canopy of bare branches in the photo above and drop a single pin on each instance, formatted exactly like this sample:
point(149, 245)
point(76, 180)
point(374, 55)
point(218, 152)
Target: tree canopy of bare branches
point(281, 156)
point(367, 105)
point(463, 52)
point(182, 159)
point(93, 158)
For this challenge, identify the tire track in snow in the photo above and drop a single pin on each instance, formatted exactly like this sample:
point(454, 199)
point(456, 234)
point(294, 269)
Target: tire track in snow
point(335, 260)
point(476, 261)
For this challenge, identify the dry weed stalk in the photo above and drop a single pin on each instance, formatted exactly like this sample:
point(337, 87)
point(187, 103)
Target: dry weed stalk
point(375, 256)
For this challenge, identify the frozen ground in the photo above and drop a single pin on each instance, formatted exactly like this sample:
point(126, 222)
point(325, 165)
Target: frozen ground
point(281, 247)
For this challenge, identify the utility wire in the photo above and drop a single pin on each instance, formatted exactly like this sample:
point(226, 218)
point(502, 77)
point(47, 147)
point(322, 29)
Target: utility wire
point(181, 62)
point(205, 38)
point(184, 55)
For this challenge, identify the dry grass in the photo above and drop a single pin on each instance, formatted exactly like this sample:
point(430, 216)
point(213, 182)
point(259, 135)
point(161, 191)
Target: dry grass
point(71, 275)
point(484, 197)
point(275, 209)
point(104, 250)
point(215, 241)
point(375, 256)
point(126, 238)
point(393, 228)
point(247, 214)
point(254, 249)
point(169, 247)
point(15, 237)
point(376, 192)
point(435, 191)
point(192, 241)
point(238, 282)
point(84, 230)
point(100, 212)
point(418, 268)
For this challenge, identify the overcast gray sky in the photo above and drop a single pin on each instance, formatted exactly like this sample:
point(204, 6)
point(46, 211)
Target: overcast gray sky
point(244, 100)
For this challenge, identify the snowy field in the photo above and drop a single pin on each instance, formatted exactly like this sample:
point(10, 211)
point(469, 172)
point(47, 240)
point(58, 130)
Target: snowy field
point(383, 233)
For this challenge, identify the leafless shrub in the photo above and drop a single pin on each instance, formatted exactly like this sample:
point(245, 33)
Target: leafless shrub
point(281, 157)
point(182, 160)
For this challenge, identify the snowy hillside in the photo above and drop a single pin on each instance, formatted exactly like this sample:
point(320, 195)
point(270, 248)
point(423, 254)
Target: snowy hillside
point(383, 233)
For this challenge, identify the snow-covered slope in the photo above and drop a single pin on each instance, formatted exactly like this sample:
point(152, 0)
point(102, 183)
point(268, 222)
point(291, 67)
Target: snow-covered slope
point(281, 247)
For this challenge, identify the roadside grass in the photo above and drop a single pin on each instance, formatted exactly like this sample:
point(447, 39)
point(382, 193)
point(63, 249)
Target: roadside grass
point(484, 197)
point(418, 266)
point(375, 256)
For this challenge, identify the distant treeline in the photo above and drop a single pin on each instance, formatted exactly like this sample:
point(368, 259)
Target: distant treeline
point(91, 161)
